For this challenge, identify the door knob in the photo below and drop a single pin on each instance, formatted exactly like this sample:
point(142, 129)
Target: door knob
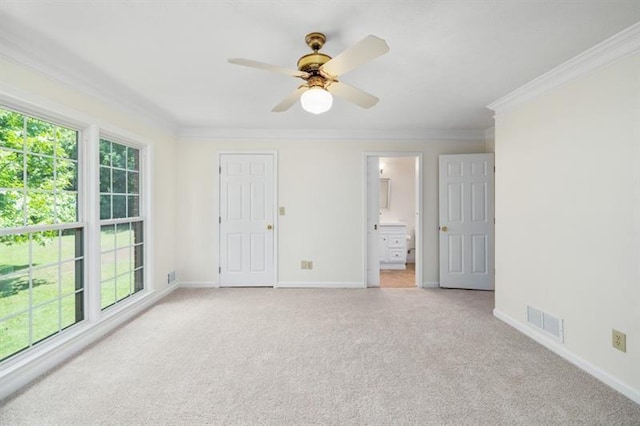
point(269, 227)
point(445, 229)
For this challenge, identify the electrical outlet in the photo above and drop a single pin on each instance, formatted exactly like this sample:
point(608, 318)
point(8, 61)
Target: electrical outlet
point(281, 210)
point(619, 340)
point(309, 264)
point(306, 264)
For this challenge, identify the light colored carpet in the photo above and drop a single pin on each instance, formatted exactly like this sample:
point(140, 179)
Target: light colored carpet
point(265, 356)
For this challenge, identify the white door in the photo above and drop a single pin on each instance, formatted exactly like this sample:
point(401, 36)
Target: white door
point(246, 220)
point(373, 217)
point(466, 221)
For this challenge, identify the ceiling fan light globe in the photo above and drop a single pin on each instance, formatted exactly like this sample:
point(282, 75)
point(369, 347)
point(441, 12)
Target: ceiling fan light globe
point(316, 100)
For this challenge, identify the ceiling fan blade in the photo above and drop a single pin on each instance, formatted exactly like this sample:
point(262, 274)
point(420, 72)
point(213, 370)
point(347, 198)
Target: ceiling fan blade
point(291, 99)
point(363, 51)
point(268, 67)
point(352, 94)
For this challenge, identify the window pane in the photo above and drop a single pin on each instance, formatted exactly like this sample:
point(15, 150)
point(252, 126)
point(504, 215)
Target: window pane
point(11, 208)
point(40, 172)
point(137, 231)
point(68, 278)
point(123, 261)
point(68, 311)
point(14, 253)
point(133, 206)
point(124, 286)
point(67, 143)
point(67, 203)
point(119, 206)
point(14, 294)
point(107, 293)
point(107, 237)
point(105, 152)
point(66, 175)
point(118, 155)
point(107, 266)
point(45, 321)
point(133, 159)
point(124, 236)
point(133, 182)
point(40, 208)
point(138, 256)
point(105, 179)
point(44, 282)
point(12, 167)
point(119, 181)
point(14, 335)
point(71, 244)
point(105, 206)
point(138, 280)
point(11, 131)
point(41, 136)
point(44, 249)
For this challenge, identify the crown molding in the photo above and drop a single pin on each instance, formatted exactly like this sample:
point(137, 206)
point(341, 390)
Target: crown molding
point(621, 45)
point(213, 133)
point(41, 54)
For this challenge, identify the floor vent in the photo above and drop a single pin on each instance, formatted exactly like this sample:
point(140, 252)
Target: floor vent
point(549, 324)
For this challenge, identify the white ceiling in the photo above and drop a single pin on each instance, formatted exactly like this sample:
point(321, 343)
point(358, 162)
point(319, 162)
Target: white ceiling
point(448, 59)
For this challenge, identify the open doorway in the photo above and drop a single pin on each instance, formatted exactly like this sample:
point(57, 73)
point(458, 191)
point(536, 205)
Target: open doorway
point(394, 208)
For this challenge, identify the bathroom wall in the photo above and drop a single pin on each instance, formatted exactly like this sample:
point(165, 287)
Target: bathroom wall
point(402, 203)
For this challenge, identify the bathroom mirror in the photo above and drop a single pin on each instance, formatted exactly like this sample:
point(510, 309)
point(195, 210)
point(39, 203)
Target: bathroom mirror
point(385, 193)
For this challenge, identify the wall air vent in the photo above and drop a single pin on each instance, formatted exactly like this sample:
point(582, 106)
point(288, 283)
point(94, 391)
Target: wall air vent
point(548, 324)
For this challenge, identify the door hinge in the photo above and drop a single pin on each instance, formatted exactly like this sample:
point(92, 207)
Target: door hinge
point(220, 170)
point(494, 169)
point(219, 219)
point(219, 269)
point(375, 227)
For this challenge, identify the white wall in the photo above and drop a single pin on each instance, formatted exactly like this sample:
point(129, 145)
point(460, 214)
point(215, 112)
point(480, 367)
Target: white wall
point(321, 186)
point(568, 215)
point(56, 98)
point(402, 207)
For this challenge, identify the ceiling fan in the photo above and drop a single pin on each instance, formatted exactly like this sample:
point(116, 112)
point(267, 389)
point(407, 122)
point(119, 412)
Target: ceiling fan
point(320, 73)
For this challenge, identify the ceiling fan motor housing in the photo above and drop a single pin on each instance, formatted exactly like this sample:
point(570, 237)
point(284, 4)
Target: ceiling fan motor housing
point(312, 62)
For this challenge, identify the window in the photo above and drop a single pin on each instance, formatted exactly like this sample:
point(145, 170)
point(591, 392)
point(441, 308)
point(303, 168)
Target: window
point(41, 236)
point(121, 224)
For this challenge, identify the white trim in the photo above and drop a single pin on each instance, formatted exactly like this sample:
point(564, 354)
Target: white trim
point(625, 43)
point(320, 284)
point(268, 135)
point(431, 284)
point(45, 56)
point(51, 354)
point(419, 231)
point(561, 350)
point(198, 284)
point(490, 134)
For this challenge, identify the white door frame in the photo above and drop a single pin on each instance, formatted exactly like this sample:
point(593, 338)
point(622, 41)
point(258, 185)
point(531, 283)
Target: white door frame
point(276, 228)
point(420, 211)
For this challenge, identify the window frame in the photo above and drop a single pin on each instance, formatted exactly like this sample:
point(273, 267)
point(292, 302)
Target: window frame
point(142, 217)
point(90, 130)
point(80, 223)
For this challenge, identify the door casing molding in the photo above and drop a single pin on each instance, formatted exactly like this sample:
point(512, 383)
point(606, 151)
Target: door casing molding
point(420, 210)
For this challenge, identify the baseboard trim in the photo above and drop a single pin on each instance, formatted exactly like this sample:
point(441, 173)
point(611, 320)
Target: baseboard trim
point(198, 284)
point(561, 350)
point(327, 284)
point(23, 372)
point(431, 284)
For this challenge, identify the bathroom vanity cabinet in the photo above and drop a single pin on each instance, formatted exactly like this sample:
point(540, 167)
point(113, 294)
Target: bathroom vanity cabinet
point(393, 246)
